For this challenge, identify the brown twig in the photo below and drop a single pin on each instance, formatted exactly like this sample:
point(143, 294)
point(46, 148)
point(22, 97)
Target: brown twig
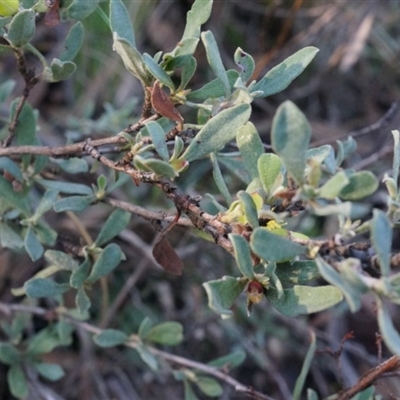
point(390, 365)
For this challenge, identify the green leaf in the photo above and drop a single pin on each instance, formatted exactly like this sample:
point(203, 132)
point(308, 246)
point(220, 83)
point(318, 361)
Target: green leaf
point(157, 71)
point(147, 357)
point(82, 300)
point(249, 207)
point(157, 135)
point(25, 132)
point(65, 187)
point(72, 165)
point(189, 393)
point(290, 137)
point(6, 89)
point(42, 287)
point(8, 165)
point(187, 73)
point(79, 275)
point(44, 341)
point(219, 179)
point(9, 238)
point(362, 184)
point(300, 381)
point(351, 294)
point(271, 247)
point(345, 149)
point(381, 236)
point(304, 299)
point(116, 222)
point(144, 328)
point(390, 336)
point(131, 58)
point(22, 28)
point(214, 59)
point(209, 386)
point(110, 338)
point(229, 361)
point(348, 209)
point(59, 70)
point(197, 16)
point(108, 259)
point(298, 272)
point(80, 9)
point(73, 42)
point(167, 333)
point(245, 62)
point(333, 186)
point(61, 260)
point(52, 372)
point(17, 382)
point(74, 203)
point(159, 167)
point(217, 132)
point(9, 354)
point(215, 88)
point(280, 77)
point(250, 146)
point(32, 245)
point(222, 293)
point(46, 203)
point(120, 22)
point(269, 167)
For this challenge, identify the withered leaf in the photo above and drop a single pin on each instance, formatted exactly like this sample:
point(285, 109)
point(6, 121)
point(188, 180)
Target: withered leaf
point(52, 17)
point(163, 104)
point(167, 257)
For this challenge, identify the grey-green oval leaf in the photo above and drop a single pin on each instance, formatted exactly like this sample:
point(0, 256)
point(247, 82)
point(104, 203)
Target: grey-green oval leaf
point(217, 132)
point(381, 236)
point(17, 382)
point(22, 28)
point(269, 166)
point(61, 260)
point(117, 221)
point(167, 333)
point(209, 386)
point(280, 77)
point(73, 42)
point(157, 135)
point(50, 371)
point(242, 255)
point(32, 245)
point(110, 338)
point(290, 137)
point(362, 184)
point(120, 22)
point(73, 203)
point(42, 287)
point(271, 247)
point(157, 71)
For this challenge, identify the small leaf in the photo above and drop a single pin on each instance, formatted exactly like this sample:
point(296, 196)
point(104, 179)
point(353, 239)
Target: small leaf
point(246, 63)
point(105, 263)
point(345, 149)
point(189, 392)
point(271, 247)
point(52, 372)
point(157, 71)
point(381, 236)
point(157, 135)
point(168, 333)
point(166, 256)
point(209, 386)
point(73, 42)
point(333, 186)
point(22, 28)
point(132, 58)
point(82, 300)
point(110, 338)
point(197, 16)
point(214, 59)
point(66, 187)
point(6, 89)
point(389, 333)
point(116, 222)
point(80, 9)
point(290, 137)
point(222, 293)
point(219, 179)
point(144, 328)
point(74, 203)
point(269, 167)
point(297, 272)
point(280, 77)
point(250, 147)
point(187, 73)
point(41, 287)
point(120, 22)
point(8, 165)
point(249, 207)
point(9, 238)
point(61, 260)
point(229, 361)
point(79, 275)
point(305, 299)
point(215, 88)
point(46, 203)
point(32, 245)
point(25, 132)
point(217, 132)
point(362, 184)
point(73, 165)
point(147, 357)
point(17, 382)
point(59, 70)
point(9, 354)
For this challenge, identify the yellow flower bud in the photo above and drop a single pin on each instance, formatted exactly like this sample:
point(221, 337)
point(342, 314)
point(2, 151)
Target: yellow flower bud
point(9, 8)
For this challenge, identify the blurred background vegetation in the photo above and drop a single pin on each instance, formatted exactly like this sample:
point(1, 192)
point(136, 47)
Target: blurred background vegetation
point(350, 85)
